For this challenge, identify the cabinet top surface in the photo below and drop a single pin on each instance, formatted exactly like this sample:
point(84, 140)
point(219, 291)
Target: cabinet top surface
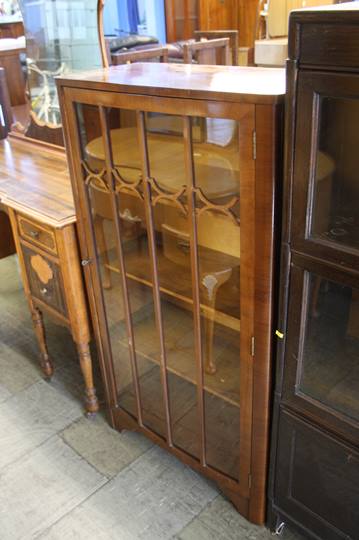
point(35, 180)
point(348, 9)
point(226, 83)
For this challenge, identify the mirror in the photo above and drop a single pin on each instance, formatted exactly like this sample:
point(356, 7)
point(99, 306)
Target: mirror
point(61, 36)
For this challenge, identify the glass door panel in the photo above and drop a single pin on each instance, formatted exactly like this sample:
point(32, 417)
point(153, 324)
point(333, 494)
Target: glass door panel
point(321, 376)
point(168, 187)
point(119, 223)
point(329, 366)
point(163, 195)
point(103, 222)
point(336, 187)
point(216, 167)
point(127, 172)
point(325, 209)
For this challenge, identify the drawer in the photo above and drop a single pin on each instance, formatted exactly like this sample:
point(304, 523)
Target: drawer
point(45, 280)
point(37, 234)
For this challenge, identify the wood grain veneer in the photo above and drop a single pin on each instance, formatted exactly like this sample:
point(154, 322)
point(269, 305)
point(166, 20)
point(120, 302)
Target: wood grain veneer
point(36, 191)
point(146, 271)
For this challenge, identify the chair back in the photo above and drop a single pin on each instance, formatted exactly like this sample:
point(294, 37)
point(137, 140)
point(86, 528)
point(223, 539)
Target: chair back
point(159, 54)
point(210, 52)
point(232, 35)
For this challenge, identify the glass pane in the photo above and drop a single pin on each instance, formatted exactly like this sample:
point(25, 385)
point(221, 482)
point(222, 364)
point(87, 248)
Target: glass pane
point(330, 357)
point(170, 219)
point(127, 175)
point(216, 159)
point(105, 239)
point(336, 186)
point(164, 223)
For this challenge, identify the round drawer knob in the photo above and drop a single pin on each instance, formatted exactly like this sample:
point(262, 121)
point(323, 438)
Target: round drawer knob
point(34, 234)
point(44, 291)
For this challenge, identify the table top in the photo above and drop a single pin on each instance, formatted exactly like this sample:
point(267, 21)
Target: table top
point(35, 181)
point(216, 167)
point(225, 83)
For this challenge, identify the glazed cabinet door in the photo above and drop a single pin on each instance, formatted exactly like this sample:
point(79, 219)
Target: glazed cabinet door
point(172, 243)
point(321, 375)
point(325, 184)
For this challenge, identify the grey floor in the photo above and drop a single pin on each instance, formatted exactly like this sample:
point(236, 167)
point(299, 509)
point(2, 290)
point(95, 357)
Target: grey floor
point(63, 476)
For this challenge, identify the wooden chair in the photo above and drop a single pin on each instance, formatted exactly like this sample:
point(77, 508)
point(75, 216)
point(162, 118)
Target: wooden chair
point(232, 35)
point(145, 55)
point(211, 52)
point(213, 274)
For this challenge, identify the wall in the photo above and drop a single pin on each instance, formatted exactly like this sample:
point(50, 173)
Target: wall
point(115, 17)
point(155, 15)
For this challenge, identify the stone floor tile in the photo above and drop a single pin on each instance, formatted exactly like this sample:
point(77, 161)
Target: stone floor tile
point(4, 393)
point(62, 349)
point(218, 521)
point(221, 521)
point(41, 488)
point(152, 499)
point(261, 533)
point(16, 325)
point(10, 274)
point(106, 449)
point(19, 364)
point(68, 381)
point(29, 418)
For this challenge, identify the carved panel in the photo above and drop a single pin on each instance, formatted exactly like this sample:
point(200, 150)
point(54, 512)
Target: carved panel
point(45, 280)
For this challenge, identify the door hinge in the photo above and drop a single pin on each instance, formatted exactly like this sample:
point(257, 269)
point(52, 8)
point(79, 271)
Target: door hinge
point(249, 481)
point(254, 143)
point(252, 346)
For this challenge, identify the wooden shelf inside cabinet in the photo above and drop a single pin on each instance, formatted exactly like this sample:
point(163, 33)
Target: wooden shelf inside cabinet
point(179, 338)
point(175, 175)
point(175, 281)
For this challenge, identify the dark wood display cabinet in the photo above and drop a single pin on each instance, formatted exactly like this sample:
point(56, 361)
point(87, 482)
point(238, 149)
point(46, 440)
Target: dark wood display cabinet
point(315, 459)
point(175, 171)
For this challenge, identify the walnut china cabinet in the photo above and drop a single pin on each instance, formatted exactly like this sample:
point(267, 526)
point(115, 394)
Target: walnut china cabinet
point(315, 461)
point(175, 170)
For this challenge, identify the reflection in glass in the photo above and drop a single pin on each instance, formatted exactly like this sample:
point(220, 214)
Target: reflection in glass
point(216, 162)
point(61, 36)
point(164, 135)
point(165, 224)
point(330, 362)
point(336, 186)
point(131, 220)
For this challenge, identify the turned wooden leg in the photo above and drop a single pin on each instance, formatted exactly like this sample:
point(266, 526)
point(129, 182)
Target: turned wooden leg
point(38, 323)
point(210, 283)
point(91, 402)
point(102, 250)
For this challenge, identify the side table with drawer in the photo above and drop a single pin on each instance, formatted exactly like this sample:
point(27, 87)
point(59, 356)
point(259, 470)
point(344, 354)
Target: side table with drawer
point(43, 221)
